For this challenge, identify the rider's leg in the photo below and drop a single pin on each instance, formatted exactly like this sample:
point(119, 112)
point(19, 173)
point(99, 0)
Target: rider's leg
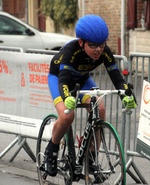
point(60, 127)
point(62, 123)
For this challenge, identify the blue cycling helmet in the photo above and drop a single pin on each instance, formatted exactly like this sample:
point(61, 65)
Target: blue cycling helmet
point(92, 28)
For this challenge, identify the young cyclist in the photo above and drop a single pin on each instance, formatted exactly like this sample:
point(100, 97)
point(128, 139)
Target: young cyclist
point(72, 65)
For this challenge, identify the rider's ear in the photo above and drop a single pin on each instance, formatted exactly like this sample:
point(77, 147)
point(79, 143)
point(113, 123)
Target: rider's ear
point(81, 43)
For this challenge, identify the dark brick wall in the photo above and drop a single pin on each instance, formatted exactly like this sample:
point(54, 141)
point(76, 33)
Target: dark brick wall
point(15, 7)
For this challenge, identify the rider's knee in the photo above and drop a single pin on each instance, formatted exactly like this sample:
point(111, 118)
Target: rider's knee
point(67, 120)
point(102, 112)
point(102, 109)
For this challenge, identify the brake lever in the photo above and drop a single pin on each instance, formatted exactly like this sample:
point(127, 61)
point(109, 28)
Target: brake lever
point(130, 92)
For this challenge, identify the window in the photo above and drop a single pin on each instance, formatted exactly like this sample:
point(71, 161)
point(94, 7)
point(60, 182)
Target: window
point(138, 14)
point(11, 27)
point(132, 19)
point(147, 14)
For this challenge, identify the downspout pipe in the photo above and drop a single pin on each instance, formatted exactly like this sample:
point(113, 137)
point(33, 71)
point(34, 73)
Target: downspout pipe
point(83, 7)
point(123, 27)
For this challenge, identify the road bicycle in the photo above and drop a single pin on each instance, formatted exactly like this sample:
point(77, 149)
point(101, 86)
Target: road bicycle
point(98, 160)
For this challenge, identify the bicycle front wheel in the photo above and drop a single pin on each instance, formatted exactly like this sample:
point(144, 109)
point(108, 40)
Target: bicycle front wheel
point(64, 170)
point(104, 157)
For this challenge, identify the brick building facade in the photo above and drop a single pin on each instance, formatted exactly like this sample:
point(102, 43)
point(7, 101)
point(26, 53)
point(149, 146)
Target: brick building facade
point(110, 11)
point(136, 23)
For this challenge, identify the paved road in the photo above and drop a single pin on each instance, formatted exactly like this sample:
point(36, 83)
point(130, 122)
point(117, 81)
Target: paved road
point(10, 178)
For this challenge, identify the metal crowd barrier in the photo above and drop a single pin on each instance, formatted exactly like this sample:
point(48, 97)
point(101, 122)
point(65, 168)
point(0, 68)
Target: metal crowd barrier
point(134, 71)
point(39, 51)
point(139, 68)
point(13, 49)
point(126, 124)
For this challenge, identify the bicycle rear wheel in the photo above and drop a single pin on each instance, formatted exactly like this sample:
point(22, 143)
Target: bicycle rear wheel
point(109, 165)
point(64, 170)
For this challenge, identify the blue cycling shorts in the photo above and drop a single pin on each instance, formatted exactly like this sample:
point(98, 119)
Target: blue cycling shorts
point(54, 89)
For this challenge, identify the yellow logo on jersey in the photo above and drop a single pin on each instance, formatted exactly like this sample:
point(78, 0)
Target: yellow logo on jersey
point(66, 90)
point(75, 53)
point(67, 67)
point(58, 61)
point(106, 55)
point(125, 86)
point(85, 67)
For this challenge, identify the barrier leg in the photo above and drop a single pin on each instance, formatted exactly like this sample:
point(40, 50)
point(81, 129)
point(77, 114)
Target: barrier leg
point(129, 164)
point(18, 150)
point(22, 144)
point(9, 147)
point(29, 151)
point(138, 173)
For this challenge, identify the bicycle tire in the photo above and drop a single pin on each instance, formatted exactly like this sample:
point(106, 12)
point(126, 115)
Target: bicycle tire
point(110, 149)
point(62, 162)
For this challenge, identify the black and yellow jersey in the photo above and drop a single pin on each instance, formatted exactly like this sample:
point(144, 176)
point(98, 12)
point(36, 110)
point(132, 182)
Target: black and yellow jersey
point(72, 65)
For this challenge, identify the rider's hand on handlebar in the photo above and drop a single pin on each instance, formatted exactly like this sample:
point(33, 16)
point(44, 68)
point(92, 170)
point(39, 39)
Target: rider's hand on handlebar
point(129, 102)
point(70, 102)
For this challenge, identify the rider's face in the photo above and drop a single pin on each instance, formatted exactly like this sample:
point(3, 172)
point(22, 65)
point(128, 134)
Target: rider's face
point(93, 50)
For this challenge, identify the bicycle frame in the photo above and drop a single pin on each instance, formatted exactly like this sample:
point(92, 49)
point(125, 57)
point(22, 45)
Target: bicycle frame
point(70, 165)
point(93, 119)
